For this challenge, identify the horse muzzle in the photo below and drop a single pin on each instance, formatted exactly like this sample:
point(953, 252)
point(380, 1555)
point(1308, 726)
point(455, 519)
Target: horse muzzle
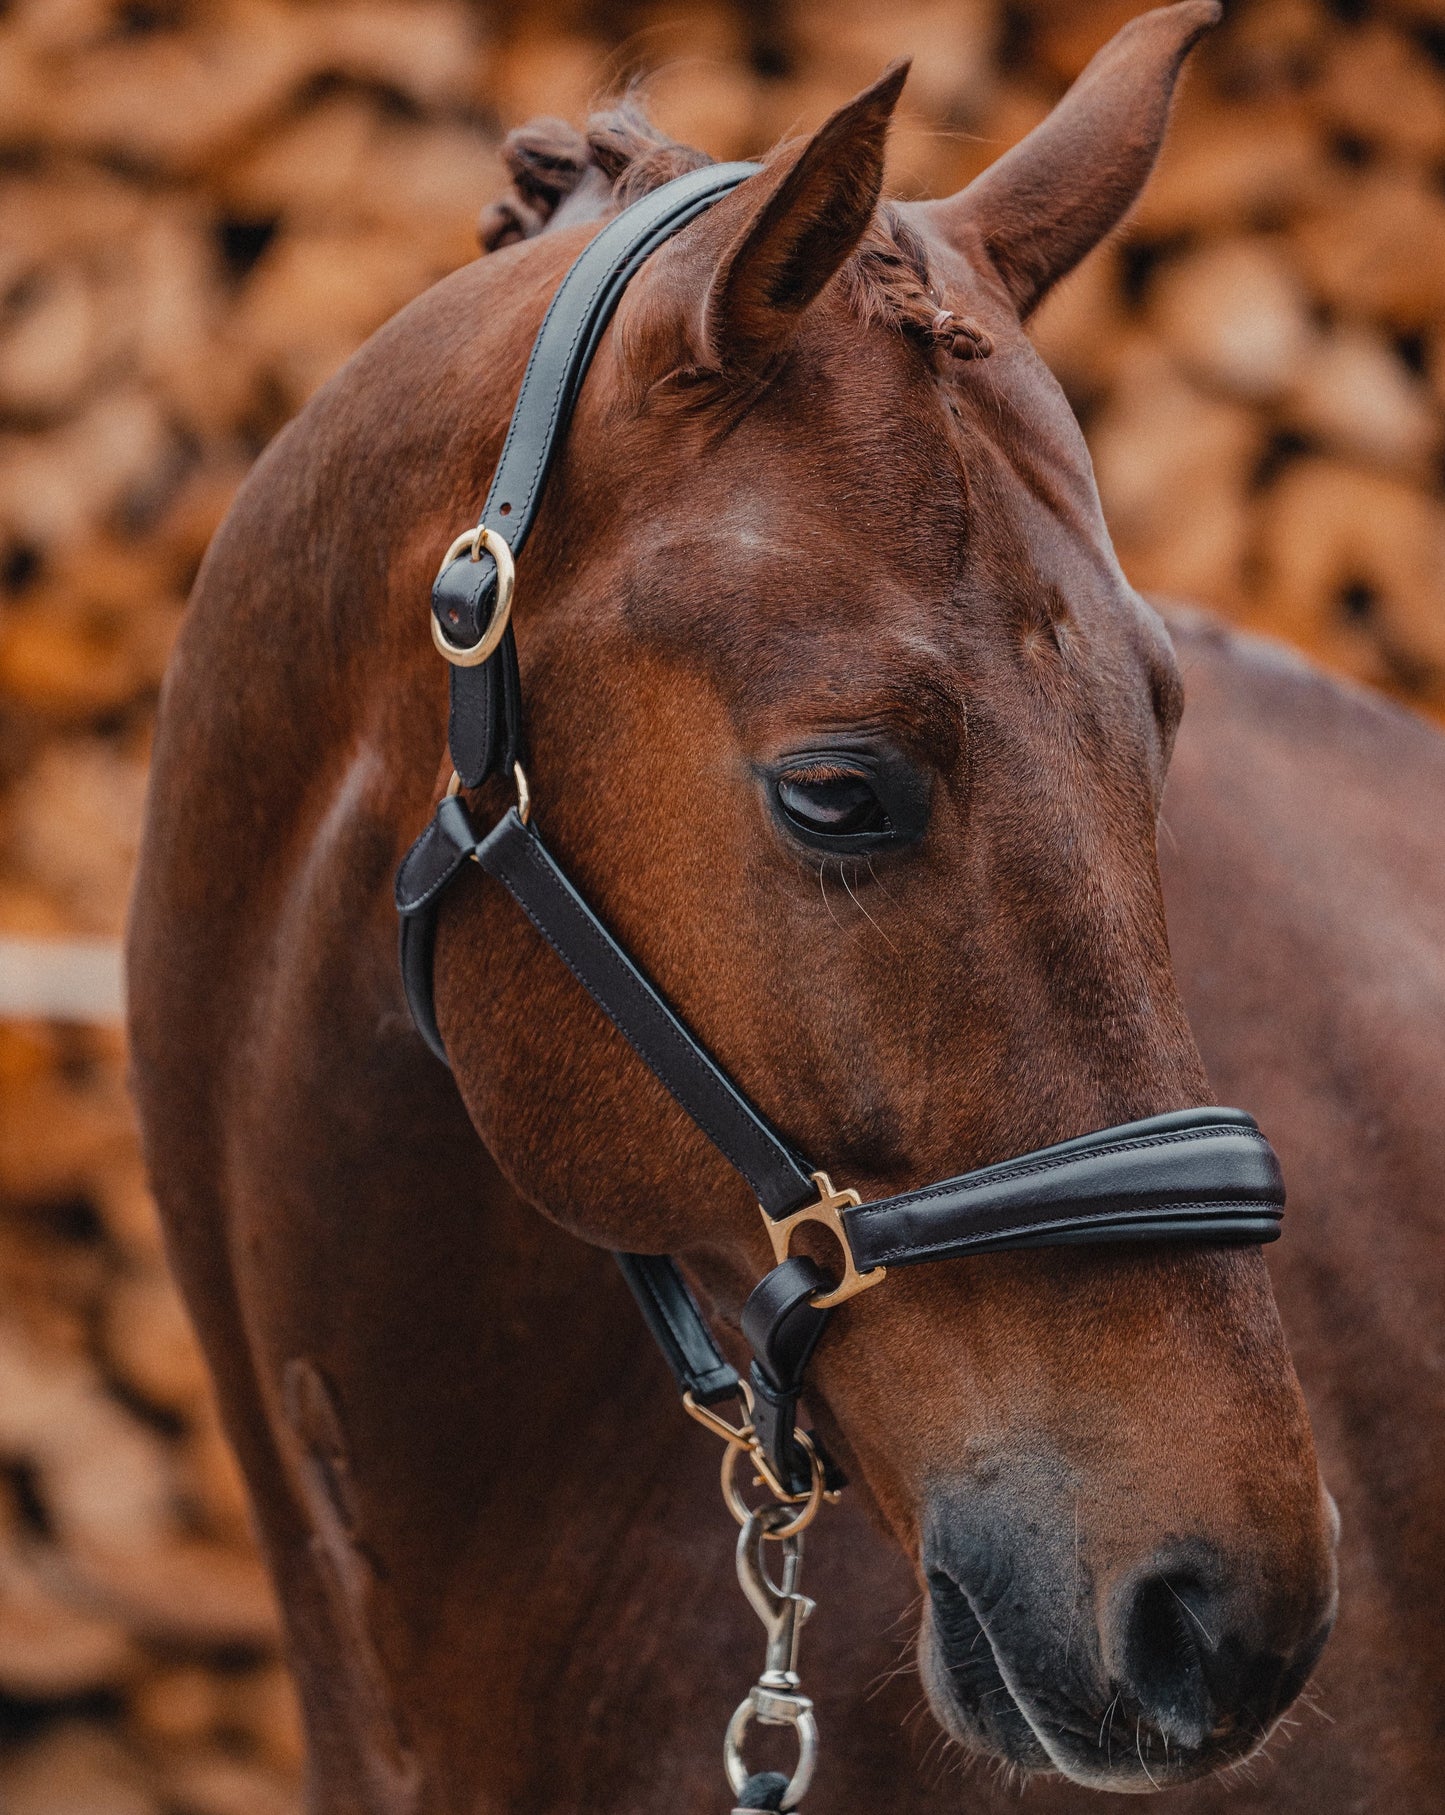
point(1169, 1670)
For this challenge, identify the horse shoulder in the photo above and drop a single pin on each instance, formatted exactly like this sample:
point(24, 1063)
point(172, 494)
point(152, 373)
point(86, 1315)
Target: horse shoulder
point(1303, 850)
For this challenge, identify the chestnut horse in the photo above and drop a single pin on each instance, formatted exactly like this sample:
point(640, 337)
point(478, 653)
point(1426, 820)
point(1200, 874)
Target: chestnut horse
point(822, 551)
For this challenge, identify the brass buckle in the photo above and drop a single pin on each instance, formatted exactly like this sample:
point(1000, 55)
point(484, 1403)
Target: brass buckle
point(826, 1211)
point(476, 539)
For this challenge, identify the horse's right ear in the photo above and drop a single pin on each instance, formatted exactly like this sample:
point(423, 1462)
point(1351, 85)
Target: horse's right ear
point(811, 208)
point(1043, 205)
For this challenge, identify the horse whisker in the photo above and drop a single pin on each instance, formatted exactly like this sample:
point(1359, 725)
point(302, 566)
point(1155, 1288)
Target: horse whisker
point(1138, 1747)
point(864, 912)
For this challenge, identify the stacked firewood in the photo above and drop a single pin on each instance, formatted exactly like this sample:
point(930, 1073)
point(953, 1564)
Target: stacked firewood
point(205, 205)
point(139, 1664)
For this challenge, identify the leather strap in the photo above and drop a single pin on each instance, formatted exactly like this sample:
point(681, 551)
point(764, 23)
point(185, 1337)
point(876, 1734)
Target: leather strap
point(425, 871)
point(782, 1326)
point(484, 714)
point(1191, 1175)
point(516, 856)
point(484, 723)
point(678, 1327)
point(781, 1322)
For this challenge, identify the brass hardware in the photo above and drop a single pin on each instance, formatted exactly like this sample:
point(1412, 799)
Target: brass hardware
point(476, 539)
point(807, 1503)
point(730, 1433)
point(827, 1211)
point(524, 794)
point(741, 1440)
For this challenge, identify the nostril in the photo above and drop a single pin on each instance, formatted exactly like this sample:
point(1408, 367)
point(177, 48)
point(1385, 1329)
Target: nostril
point(1166, 1639)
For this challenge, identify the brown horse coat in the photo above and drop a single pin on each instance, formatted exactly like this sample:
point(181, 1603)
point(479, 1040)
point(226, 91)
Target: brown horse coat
point(505, 1575)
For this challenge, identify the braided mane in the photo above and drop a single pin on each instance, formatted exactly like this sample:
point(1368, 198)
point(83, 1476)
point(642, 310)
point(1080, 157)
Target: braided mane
point(887, 279)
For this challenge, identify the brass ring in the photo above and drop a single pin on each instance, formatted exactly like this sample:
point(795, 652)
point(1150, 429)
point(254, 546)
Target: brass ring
point(477, 539)
point(524, 813)
point(808, 1503)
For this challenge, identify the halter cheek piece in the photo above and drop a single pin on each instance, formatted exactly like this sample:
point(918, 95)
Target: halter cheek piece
point(1193, 1175)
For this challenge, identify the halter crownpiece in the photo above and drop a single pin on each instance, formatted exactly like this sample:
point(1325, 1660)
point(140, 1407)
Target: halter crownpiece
point(1192, 1175)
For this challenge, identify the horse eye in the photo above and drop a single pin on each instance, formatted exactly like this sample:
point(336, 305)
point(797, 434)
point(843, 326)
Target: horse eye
point(832, 801)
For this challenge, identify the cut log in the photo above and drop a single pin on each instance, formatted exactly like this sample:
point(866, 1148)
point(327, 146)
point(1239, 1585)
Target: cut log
point(1353, 566)
point(179, 1706)
point(262, 1704)
point(1357, 397)
point(49, 1651)
point(189, 1593)
point(1174, 467)
point(1271, 162)
point(212, 1784)
point(1379, 250)
point(57, 338)
point(104, 1480)
point(211, 1479)
point(75, 828)
point(340, 284)
point(150, 1345)
point(1380, 89)
point(552, 74)
point(175, 100)
point(75, 1769)
point(1236, 317)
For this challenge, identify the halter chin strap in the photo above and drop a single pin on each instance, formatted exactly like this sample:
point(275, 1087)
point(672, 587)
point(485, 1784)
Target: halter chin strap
point(1193, 1175)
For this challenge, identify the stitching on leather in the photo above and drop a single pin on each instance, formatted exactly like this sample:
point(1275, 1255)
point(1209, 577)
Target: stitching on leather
point(717, 1366)
point(531, 853)
point(414, 904)
point(474, 762)
point(1231, 1210)
point(584, 323)
point(1007, 1174)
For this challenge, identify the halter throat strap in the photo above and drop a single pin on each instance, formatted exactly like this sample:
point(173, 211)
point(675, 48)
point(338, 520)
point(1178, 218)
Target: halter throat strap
point(1193, 1175)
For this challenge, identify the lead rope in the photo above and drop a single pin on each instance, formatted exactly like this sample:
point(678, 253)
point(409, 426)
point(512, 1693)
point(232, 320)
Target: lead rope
point(776, 1699)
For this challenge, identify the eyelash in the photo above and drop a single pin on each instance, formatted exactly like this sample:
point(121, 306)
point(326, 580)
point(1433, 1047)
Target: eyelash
point(821, 773)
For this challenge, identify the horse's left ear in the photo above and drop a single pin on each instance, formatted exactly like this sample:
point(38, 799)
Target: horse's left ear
point(1043, 205)
point(812, 208)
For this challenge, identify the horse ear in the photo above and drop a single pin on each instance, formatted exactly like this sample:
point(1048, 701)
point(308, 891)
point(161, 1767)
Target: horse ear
point(812, 209)
point(1051, 199)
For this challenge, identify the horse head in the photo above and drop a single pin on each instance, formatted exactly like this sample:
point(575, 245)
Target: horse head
point(843, 714)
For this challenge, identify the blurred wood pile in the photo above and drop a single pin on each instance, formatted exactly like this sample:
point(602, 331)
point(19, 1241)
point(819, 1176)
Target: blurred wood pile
point(204, 206)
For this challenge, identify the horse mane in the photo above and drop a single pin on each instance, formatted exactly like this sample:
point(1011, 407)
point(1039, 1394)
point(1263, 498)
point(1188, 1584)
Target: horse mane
point(887, 280)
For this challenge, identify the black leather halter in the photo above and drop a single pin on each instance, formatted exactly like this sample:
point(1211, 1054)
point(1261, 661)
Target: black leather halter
point(1193, 1175)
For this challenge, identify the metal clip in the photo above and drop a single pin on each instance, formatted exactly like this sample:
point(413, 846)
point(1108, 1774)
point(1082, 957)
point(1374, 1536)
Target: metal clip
point(776, 1699)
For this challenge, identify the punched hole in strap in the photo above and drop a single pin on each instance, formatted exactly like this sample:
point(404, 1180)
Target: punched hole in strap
point(827, 1210)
